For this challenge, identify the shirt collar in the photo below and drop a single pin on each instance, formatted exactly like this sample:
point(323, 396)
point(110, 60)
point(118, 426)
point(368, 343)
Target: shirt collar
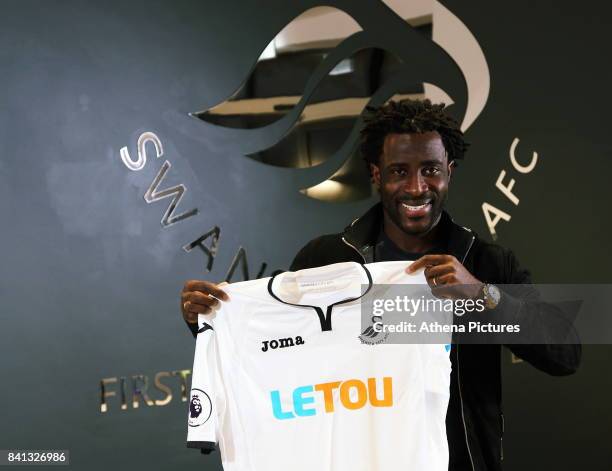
point(338, 279)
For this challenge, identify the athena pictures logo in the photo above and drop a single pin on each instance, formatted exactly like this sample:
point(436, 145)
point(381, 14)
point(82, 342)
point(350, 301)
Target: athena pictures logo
point(200, 408)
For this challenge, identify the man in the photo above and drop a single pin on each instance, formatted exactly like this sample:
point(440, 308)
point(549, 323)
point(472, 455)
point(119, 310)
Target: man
point(411, 148)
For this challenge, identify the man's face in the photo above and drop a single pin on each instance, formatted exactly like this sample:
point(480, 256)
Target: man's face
point(412, 177)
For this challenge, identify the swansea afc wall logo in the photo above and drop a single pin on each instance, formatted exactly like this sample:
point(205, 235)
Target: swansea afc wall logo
point(302, 100)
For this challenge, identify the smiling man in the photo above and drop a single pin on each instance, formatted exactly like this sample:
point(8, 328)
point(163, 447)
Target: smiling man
point(411, 148)
point(421, 158)
point(411, 171)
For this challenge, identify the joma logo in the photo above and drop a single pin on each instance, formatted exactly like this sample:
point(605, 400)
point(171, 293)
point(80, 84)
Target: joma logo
point(281, 343)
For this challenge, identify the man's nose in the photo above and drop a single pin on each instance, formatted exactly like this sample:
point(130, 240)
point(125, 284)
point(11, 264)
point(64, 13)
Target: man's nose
point(415, 184)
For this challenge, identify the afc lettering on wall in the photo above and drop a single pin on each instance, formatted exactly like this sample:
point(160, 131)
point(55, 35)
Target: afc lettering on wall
point(492, 213)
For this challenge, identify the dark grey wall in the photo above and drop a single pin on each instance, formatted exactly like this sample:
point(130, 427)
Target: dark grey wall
point(550, 86)
point(89, 279)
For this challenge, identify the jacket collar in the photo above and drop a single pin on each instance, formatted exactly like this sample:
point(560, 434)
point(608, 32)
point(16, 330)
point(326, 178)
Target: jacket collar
point(363, 232)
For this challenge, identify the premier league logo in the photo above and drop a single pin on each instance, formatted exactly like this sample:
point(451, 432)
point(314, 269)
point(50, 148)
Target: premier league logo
point(200, 408)
point(195, 408)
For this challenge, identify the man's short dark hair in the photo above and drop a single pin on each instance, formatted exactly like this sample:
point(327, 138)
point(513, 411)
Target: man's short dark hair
point(409, 116)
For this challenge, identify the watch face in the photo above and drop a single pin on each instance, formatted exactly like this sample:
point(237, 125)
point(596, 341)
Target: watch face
point(494, 291)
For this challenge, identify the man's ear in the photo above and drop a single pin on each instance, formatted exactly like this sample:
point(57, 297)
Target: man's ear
point(451, 166)
point(375, 173)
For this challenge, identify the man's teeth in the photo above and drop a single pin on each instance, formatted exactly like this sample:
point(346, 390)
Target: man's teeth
point(415, 208)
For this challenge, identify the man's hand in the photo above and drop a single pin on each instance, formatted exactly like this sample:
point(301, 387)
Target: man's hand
point(447, 277)
point(200, 297)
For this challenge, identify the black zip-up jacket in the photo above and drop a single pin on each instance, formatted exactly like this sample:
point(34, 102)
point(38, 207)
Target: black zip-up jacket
point(475, 422)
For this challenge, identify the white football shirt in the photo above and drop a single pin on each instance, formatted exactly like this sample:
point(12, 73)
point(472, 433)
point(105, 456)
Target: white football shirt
point(283, 380)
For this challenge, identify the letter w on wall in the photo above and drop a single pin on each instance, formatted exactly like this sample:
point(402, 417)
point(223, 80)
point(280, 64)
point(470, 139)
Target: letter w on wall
point(176, 191)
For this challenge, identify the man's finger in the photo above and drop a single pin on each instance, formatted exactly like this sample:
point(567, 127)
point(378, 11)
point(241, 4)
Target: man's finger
point(447, 291)
point(206, 287)
point(190, 317)
point(441, 292)
point(445, 280)
point(425, 260)
point(438, 270)
point(201, 298)
point(195, 308)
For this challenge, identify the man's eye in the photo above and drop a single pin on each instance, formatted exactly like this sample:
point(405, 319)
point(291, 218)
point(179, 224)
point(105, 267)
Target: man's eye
point(430, 171)
point(398, 171)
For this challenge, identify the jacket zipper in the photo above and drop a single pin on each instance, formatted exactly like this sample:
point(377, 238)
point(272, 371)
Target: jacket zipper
point(467, 442)
point(353, 247)
point(501, 440)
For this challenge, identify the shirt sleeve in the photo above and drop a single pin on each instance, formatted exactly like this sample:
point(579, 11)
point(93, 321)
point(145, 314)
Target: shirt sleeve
point(206, 388)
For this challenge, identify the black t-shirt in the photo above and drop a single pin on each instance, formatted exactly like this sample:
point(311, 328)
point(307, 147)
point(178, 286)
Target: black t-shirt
point(386, 250)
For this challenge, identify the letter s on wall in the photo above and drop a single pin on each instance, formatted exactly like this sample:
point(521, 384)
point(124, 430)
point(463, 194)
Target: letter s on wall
point(142, 153)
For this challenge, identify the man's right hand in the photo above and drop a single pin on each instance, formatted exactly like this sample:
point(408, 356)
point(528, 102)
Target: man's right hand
point(200, 297)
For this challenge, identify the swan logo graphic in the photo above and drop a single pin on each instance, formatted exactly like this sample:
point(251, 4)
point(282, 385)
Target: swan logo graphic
point(371, 336)
point(293, 119)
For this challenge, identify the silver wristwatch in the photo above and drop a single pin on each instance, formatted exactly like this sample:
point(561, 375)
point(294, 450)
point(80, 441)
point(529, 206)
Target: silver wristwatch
point(492, 295)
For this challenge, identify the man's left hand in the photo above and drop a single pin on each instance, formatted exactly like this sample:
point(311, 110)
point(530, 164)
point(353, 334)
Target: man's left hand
point(447, 277)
